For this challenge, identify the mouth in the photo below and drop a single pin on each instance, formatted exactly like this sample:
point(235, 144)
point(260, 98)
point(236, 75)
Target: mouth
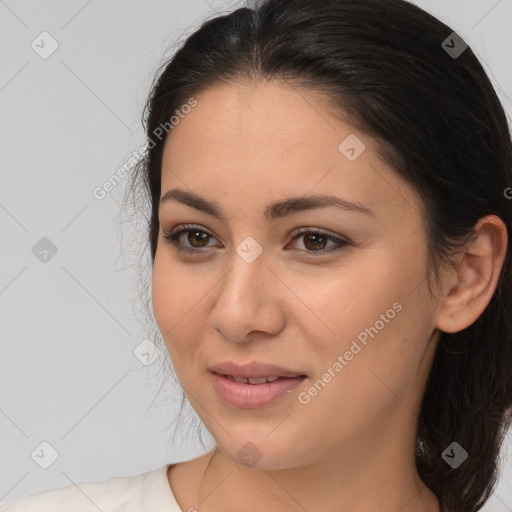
point(254, 371)
point(257, 380)
point(244, 392)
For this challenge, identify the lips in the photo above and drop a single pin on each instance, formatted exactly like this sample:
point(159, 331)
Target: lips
point(244, 395)
point(255, 384)
point(254, 371)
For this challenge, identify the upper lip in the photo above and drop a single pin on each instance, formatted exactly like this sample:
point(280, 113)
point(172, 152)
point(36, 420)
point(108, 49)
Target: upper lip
point(253, 370)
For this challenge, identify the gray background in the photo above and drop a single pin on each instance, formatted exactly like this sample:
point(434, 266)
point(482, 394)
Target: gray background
point(69, 325)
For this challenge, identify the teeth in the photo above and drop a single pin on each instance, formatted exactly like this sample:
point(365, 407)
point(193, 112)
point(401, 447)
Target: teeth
point(259, 380)
point(252, 380)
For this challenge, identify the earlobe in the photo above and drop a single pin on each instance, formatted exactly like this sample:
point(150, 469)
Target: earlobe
point(470, 287)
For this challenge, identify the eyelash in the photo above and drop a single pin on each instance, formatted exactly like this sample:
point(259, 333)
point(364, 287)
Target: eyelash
point(173, 239)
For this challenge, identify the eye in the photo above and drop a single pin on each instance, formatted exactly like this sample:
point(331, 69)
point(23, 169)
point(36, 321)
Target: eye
point(195, 235)
point(314, 240)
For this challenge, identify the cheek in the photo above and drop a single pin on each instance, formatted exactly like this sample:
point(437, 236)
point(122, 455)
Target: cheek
point(175, 304)
point(343, 304)
point(377, 318)
point(163, 296)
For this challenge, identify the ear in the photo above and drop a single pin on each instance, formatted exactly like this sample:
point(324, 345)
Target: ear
point(468, 289)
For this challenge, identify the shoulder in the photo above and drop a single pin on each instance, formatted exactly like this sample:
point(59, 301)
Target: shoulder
point(117, 494)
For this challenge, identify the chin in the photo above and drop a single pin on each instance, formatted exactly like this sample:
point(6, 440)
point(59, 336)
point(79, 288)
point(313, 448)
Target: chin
point(258, 452)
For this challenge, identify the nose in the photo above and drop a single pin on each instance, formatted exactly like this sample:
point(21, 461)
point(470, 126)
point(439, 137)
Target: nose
point(249, 302)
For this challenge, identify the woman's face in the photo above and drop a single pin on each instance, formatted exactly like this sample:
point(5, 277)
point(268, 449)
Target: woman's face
point(356, 319)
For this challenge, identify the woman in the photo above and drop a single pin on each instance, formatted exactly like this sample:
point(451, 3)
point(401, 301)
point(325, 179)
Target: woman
point(330, 212)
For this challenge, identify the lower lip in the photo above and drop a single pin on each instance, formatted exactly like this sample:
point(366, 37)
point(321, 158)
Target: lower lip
point(249, 396)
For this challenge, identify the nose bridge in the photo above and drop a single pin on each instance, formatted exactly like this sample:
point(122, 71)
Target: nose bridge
point(243, 301)
point(246, 273)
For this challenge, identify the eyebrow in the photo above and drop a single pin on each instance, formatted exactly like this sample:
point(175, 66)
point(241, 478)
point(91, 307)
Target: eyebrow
point(273, 211)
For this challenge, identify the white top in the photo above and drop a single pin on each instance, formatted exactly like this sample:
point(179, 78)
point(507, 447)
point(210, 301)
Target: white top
point(146, 492)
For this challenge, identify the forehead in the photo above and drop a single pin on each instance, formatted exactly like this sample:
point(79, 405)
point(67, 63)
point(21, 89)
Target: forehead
point(274, 140)
point(262, 115)
point(257, 127)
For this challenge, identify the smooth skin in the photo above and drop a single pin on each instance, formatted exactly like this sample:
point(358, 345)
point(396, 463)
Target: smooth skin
point(301, 303)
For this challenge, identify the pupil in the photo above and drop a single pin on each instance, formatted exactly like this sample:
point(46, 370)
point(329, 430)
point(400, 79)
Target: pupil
point(317, 237)
point(198, 234)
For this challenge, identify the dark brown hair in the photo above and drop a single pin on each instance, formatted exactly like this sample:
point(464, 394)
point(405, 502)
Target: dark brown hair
point(441, 126)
